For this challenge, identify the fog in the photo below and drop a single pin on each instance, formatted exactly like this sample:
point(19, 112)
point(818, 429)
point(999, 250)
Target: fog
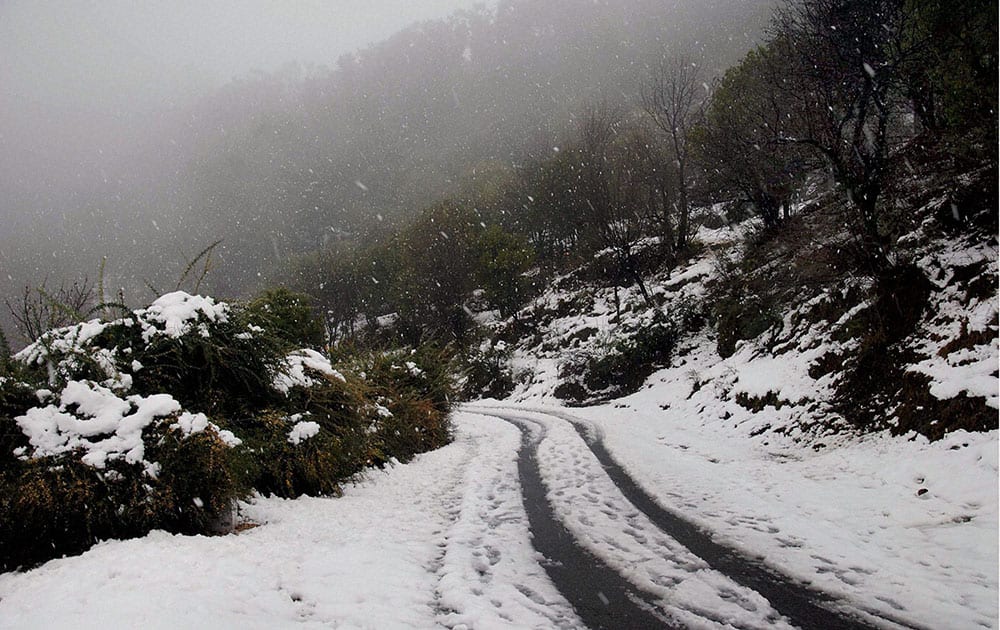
point(88, 85)
point(85, 82)
point(143, 131)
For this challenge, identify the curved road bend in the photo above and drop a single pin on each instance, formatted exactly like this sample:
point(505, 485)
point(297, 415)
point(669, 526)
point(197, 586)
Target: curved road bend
point(601, 597)
point(588, 583)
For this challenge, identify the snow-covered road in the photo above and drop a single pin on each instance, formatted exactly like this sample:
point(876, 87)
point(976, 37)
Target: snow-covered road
point(703, 579)
point(442, 541)
point(445, 541)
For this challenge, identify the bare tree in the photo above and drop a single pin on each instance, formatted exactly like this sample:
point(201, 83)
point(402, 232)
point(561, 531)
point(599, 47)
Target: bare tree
point(845, 72)
point(611, 188)
point(596, 134)
point(39, 310)
point(673, 101)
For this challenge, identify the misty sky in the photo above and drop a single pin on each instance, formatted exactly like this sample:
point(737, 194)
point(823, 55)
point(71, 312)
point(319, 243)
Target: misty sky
point(78, 75)
point(113, 126)
point(78, 49)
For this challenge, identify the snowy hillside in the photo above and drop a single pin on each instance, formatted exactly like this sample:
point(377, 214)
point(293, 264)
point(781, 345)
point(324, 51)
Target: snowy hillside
point(893, 527)
point(605, 315)
point(760, 449)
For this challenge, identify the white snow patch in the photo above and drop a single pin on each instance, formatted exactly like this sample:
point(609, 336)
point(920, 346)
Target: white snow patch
point(294, 371)
point(104, 426)
point(302, 431)
point(174, 313)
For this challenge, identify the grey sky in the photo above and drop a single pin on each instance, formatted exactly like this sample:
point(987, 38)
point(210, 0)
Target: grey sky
point(77, 48)
point(76, 74)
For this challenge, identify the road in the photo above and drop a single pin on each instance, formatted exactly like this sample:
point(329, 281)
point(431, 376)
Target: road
point(523, 521)
point(607, 593)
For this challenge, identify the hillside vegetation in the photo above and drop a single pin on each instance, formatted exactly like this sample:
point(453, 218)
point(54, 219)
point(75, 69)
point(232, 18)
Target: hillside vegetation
point(160, 418)
point(805, 244)
point(856, 150)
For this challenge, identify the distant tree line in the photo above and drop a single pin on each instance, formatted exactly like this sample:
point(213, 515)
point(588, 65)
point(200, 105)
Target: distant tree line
point(838, 86)
point(303, 159)
point(461, 162)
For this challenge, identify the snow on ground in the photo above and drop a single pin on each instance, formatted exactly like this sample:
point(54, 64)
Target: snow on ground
point(969, 368)
point(604, 522)
point(902, 527)
point(442, 541)
point(908, 528)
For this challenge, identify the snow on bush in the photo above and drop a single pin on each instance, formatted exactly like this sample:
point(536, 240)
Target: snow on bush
point(106, 350)
point(174, 315)
point(94, 421)
point(413, 369)
point(161, 418)
point(302, 431)
point(295, 368)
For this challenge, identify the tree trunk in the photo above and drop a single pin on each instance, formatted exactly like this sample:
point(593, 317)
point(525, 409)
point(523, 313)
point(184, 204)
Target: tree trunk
point(668, 225)
point(682, 206)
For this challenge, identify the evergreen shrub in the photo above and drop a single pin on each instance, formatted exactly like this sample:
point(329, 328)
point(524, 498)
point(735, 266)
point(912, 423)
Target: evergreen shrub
point(620, 368)
point(487, 372)
point(163, 418)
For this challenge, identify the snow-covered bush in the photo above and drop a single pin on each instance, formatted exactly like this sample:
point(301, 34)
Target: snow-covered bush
point(410, 394)
point(206, 354)
point(165, 416)
point(618, 367)
point(88, 464)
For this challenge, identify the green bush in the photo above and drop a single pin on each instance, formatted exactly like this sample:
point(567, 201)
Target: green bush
point(410, 393)
point(283, 421)
point(289, 316)
point(15, 397)
point(743, 303)
point(56, 505)
point(273, 463)
point(488, 372)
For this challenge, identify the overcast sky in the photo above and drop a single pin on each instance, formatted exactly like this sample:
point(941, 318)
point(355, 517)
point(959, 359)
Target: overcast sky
point(81, 48)
point(78, 73)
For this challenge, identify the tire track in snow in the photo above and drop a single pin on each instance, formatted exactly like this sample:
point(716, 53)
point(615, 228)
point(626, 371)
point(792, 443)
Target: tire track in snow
point(806, 608)
point(599, 595)
point(489, 576)
point(658, 572)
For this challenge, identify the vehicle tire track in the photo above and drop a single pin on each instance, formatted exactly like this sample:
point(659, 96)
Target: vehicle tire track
point(601, 598)
point(806, 608)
